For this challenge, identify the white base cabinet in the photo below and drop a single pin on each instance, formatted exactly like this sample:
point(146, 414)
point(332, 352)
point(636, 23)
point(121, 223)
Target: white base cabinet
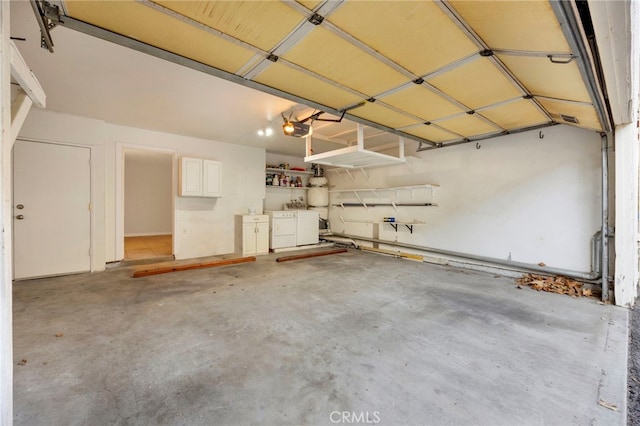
point(252, 234)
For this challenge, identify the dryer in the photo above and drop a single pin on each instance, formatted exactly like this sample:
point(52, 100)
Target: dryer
point(282, 228)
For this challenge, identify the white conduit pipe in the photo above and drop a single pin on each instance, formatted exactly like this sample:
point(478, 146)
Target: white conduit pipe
point(590, 276)
point(605, 217)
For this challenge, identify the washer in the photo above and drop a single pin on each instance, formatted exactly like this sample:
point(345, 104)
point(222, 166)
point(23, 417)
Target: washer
point(307, 232)
point(283, 227)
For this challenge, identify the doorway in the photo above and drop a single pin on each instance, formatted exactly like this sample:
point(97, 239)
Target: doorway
point(51, 209)
point(148, 205)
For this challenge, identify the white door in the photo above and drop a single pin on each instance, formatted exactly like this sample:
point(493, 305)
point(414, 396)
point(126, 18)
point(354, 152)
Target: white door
point(262, 241)
point(51, 209)
point(248, 238)
point(190, 177)
point(212, 174)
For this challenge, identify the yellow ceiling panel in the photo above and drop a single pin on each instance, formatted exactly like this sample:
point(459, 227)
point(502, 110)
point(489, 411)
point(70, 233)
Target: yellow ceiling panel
point(309, 4)
point(281, 77)
point(542, 77)
point(515, 115)
point(382, 115)
point(421, 102)
point(249, 21)
point(585, 114)
point(516, 25)
point(475, 84)
point(468, 125)
point(415, 35)
point(331, 56)
point(431, 133)
point(142, 23)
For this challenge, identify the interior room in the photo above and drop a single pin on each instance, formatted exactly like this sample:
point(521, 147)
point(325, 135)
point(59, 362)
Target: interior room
point(318, 212)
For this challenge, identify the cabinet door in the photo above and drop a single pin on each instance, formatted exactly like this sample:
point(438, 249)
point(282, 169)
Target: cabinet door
point(262, 240)
point(248, 239)
point(212, 179)
point(190, 175)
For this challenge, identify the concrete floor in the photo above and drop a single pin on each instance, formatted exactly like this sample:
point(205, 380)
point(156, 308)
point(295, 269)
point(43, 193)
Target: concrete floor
point(300, 342)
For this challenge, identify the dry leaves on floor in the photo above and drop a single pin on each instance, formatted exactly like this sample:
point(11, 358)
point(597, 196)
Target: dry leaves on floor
point(556, 284)
point(58, 334)
point(608, 405)
point(23, 361)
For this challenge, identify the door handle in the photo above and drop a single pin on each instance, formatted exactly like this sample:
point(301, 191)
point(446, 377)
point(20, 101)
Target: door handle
point(20, 217)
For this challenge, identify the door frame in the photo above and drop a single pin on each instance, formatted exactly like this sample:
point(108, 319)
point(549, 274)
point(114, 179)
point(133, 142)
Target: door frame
point(121, 148)
point(92, 193)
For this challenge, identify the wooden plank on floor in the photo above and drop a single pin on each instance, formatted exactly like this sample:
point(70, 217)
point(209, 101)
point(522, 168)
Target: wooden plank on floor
point(394, 253)
point(308, 255)
point(202, 265)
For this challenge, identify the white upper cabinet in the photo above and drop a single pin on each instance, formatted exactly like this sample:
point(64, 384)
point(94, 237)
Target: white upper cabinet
point(199, 178)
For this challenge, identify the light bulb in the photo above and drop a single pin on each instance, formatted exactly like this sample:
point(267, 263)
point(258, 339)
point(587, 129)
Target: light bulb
point(260, 132)
point(288, 127)
point(268, 131)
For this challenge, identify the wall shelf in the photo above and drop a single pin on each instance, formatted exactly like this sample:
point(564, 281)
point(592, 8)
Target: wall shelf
point(343, 205)
point(288, 171)
point(358, 192)
point(302, 188)
point(393, 188)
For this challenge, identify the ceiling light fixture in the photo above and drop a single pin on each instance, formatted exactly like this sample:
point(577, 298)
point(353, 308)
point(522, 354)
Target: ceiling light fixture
point(296, 128)
point(265, 132)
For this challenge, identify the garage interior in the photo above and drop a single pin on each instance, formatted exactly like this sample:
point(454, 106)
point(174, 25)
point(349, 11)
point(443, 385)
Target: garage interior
point(461, 145)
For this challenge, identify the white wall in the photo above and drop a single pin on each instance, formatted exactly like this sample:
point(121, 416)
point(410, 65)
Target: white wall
point(627, 141)
point(203, 227)
point(519, 197)
point(6, 315)
point(148, 204)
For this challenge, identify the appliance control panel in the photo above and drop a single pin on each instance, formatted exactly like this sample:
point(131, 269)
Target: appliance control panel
point(285, 214)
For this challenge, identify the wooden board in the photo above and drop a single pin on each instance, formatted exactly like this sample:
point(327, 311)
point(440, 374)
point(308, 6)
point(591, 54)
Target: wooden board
point(166, 270)
point(395, 253)
point(308, 255)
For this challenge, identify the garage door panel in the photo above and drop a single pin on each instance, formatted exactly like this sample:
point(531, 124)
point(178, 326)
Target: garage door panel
point(249, 21)
point(415, 35)
point(585, 114)
point(431, 133)
point(422, 102)
point(467, 125)
point(330, 56)
point(514, 115)
point(476, 83)
point(380, 114)
point(140, 22)
point(516, 25)
point(542, 77)
point(306, 86)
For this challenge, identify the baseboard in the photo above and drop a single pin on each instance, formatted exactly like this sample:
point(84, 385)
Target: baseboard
point(148, 234)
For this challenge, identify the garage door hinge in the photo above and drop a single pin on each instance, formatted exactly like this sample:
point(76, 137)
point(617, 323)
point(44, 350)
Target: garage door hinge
point(90, 207)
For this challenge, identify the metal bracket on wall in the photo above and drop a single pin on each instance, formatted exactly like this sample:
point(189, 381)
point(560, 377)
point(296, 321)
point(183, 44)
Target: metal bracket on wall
point(395, 226)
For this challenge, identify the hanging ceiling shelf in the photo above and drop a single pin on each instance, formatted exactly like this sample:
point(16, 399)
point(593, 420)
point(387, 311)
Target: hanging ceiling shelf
point(352, 157)
point(355, 156)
